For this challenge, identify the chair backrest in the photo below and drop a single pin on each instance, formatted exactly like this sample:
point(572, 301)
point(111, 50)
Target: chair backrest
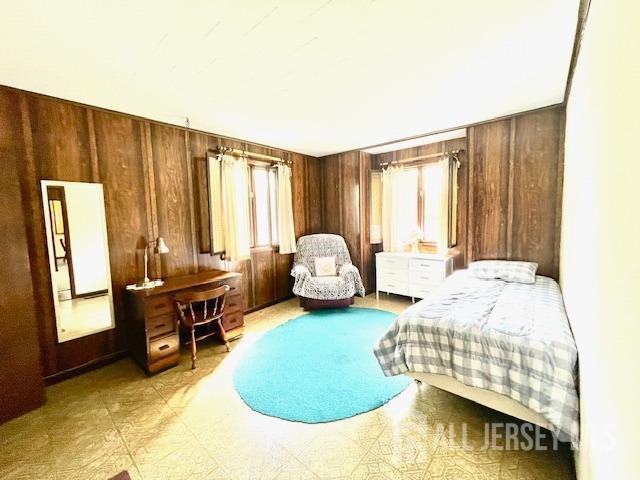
point(321, 245)
point(209, 304)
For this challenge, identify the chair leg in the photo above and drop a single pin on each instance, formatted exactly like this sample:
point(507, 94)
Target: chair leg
point(223, 335)
point(193, 348)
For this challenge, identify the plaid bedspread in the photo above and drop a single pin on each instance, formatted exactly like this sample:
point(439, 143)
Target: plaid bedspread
point(510, 338)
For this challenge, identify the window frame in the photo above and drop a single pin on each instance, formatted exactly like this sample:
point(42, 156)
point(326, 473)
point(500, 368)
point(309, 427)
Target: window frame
point(453, 171)
point(252, 204)
point(430, 245)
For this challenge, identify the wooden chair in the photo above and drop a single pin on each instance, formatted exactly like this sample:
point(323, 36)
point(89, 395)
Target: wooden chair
point(202, 309)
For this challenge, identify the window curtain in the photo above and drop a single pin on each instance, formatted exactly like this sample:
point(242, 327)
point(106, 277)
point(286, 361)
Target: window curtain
point(236, 220)
point(453, 234)
point(286, 227)
point(216, 208)
point(391, 202)
point(448, 204)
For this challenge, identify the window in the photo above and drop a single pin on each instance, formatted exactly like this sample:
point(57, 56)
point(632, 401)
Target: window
point(408, 205)
point(420, 204)
point(431, 194)
point(264, 207)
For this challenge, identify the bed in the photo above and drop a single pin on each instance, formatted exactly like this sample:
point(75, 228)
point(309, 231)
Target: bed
point(506, 345)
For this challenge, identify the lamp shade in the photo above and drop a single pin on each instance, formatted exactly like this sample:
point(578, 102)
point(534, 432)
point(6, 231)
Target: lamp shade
point(161, 246)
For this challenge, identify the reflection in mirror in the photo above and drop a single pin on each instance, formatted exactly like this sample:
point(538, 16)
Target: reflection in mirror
point(78, 258)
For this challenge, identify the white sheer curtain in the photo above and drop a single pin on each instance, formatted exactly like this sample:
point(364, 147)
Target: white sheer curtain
point(453, 235)
point(216, 208)
point(399, 207)
point(286, 227)
point(236, 222)
point(448, 204)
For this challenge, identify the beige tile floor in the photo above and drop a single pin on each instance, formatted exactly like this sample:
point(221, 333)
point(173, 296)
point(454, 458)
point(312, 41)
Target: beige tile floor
point(184, 424)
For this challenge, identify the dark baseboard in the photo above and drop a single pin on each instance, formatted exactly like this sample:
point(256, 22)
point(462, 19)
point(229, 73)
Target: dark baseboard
point(86, 367)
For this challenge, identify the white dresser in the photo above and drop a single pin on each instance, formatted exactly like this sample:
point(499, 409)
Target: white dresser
point(412, 274)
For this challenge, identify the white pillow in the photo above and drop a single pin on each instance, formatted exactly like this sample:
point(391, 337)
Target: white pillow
point(325, 266)
point(509, 271)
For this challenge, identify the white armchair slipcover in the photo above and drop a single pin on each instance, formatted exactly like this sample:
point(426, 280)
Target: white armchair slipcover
point(345, 285)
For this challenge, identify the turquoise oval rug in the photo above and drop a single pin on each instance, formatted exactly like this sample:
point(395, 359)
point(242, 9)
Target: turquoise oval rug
point(319, 367)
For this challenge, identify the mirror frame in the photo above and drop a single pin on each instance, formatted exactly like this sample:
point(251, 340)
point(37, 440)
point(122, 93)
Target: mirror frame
point(51, 257)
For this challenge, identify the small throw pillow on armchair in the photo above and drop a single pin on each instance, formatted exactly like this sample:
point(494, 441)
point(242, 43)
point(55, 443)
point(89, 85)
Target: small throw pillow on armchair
point(325, 266)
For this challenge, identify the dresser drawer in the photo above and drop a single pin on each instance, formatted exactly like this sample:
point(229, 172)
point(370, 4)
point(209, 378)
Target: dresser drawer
point(426, 278)
point(232, 320)
point(392, 276)
point(423, 266)
point(392, 263)
point(421, 291)
point(399, 287)
point(163, 346)
point(161, 325)
point(158, 305)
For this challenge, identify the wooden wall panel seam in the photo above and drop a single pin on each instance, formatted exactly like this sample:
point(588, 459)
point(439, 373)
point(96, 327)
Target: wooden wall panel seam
point(510, 186)
point(323, 195)
point(274, 274)
point(150, 195)
point(192, 207)
point(470, 192)
point(362, 206)
point(95, 168)
point(307, 200)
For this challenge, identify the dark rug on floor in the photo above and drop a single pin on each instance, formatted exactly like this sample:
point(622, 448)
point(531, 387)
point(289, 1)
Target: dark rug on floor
point(124, 475)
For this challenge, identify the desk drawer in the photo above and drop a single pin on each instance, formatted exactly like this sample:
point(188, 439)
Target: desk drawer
point(163, 347)
point(158, 305)
point(161, 325)
point(235, 286)
point(232, 320)
point(234, 303)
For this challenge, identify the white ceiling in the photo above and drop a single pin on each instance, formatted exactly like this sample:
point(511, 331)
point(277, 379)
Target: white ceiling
point(313, 76)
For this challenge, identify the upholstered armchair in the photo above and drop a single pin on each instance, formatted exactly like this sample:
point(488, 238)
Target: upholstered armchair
point(329, 291)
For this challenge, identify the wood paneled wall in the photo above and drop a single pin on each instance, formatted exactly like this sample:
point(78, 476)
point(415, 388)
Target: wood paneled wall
point(149, 173)
point(515, 189)
point(346, 199)
point(509, 193)
point(21, 383)
point(509, 207)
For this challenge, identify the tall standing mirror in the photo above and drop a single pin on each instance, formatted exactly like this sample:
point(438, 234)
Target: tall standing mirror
point(78, 252)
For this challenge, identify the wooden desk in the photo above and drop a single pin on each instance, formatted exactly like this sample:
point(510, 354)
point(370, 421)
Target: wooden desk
point(152, 327)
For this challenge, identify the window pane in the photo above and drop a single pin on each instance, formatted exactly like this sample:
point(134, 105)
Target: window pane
point(273, 191)
point(408, 205)
point(432, 186)
point(261, 202)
